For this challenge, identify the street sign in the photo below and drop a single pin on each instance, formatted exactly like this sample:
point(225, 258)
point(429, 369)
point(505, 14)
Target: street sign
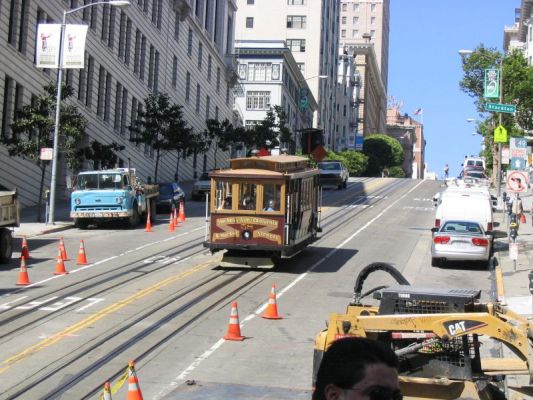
point(504, 108)
point(491, 84)
point(518, 163)
point(304, 99)
point(518, 153)
point(517, 181)
point(359, 141)
point(505, 155)
point(46, 153)
point(500, 134)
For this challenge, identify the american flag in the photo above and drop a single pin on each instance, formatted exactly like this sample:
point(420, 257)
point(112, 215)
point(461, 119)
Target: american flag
point(418, 111)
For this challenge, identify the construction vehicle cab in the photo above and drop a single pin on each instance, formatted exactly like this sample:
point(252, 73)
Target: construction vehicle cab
point(438, 336)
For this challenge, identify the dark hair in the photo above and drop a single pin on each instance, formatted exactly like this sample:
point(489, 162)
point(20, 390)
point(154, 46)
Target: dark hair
point(345, 361)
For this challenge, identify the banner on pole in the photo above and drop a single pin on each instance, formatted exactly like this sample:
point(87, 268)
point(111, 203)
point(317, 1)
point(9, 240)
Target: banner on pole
point(47, 45)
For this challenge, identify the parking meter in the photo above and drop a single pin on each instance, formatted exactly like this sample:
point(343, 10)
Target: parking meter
point(513, 230)
point(509, 208)
point(504, 197)
point(530, 276)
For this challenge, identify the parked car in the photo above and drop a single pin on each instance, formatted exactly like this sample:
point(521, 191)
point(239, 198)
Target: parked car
point(460, 240)
point(333, 173)
point(170, 195)
point(201, 186)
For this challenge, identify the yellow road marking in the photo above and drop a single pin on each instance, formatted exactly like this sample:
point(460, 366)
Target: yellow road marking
point(500, 292)
point(6, 364)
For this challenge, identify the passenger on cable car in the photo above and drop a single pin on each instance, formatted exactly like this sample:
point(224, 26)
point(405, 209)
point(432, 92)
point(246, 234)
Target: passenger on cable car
point(270, 206)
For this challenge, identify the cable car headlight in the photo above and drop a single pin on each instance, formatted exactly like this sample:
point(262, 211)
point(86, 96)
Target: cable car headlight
point(119, 199)
point(77, 201)
point(246, 235)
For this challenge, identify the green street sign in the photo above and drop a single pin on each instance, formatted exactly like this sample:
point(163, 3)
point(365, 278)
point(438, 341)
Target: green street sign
point(491, 85)
point(500, 134)
point(504, 108)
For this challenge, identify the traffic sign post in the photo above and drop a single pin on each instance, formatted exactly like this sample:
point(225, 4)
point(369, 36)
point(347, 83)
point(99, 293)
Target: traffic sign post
point(497, 107)
point(491, 85)
point(500, 134)
point(517, 182)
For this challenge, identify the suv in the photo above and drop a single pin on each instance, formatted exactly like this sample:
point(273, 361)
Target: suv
point(201, 187)
point(333, 173)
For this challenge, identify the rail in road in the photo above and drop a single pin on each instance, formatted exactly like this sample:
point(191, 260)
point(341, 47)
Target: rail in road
point(131, 284)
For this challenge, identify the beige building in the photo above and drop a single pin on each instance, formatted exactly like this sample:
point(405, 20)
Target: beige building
point(310, 30)
point(180, 47)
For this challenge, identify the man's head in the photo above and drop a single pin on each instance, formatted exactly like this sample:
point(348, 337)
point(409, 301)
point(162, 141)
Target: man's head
point(357, 369)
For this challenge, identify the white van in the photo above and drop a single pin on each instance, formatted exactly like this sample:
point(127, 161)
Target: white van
point(462, 205)
point(474, 162)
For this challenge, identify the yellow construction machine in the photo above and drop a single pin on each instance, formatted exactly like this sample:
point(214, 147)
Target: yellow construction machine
point(439, 336)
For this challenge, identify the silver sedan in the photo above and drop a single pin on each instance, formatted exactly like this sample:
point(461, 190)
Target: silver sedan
point(460, 241)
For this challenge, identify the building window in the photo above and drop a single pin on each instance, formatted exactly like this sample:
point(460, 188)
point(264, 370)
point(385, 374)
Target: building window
point(118, 106)
point(296, 45)
point(176, 26)
point(251, 124)
point(373, 7)
point(124, 112)
point(127, 50)
point(372, 20)
point(90, 14)
point(7, 109)
point(209, 67)
point(151, 62)
point(174, 71)
point(355, 20)
point(301, 67)
point(250, 1)
point(133, 117)
point(89, 89)
point(200, 55)
point(156, 72)
point(188, 87)
point(81, 81)
point(355, 33)
point(218, 79)
point(121, 35)
point(216, 113)
point(207, 107)
point(189, 43)
point(105, 22)
point(198, 99)
point(296, 2)
point(107, 99)
point(101, 88)
point(297, 21)
point(111, 36)
point(242, 71)
point(263, 72)
point(137, 52)
point(249, 22)
point(356, 6)
point(343, 20)
point(345, 7)
point(143, 58)
point(343, 33)
point(256, 100)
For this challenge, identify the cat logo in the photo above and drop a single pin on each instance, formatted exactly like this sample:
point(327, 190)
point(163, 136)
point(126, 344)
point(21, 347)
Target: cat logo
point(458, 327)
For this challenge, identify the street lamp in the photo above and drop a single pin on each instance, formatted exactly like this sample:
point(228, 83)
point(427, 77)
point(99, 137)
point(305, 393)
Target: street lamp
point(465, 53)
point(116, 3)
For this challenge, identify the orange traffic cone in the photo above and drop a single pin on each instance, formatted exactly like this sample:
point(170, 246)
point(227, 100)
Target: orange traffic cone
point(234, 327)
point(272, 309)
point(134, 390)
point(148, 223)
point(62, 249)
point(23, 274)
point(25, 251)
point(171, 226)
point(60, 266)
point(181, 215)
point(82, 257)
point(107, 392)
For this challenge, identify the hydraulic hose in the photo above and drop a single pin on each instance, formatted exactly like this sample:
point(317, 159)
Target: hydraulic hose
point(365, 273)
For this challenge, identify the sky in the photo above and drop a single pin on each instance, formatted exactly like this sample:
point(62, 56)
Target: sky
point(425, 68)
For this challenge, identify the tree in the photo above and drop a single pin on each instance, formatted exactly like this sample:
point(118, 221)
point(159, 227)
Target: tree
point(219, 134)
point(33, 128)
point(355, 161)
point(161, 126)
point(285, 134)
point(103, 156)
point(265, 134)
point(383, 152)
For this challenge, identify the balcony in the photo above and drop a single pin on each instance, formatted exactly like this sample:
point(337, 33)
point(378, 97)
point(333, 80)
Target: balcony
point(183, 7)
point(232, 76)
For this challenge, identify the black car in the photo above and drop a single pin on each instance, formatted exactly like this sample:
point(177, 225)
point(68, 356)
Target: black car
point(170, 194)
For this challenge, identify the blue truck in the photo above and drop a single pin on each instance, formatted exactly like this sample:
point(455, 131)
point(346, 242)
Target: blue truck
point(111, 195)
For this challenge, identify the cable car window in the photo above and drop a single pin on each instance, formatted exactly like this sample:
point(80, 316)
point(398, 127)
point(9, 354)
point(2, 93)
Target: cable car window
point(223, 195)
point(247, 196)
point(271, 197)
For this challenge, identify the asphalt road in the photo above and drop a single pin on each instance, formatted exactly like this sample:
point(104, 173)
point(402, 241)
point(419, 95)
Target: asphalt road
point(159, 299)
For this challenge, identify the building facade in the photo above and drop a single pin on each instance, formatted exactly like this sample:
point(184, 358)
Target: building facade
point(347, 111)
point(310, 30)
point(180, 47)
point(270, 77)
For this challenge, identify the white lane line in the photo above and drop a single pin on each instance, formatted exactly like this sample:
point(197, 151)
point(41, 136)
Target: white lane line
point(257, 312)
point(104, 261)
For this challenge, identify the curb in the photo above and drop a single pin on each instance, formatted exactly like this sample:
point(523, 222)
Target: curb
point(21, 233)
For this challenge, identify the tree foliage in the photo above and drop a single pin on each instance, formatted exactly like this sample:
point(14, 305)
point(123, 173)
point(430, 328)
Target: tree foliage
point(383, 152)
point(103, 156)
point(161, 126)
point(33, 128)
point(355, 161)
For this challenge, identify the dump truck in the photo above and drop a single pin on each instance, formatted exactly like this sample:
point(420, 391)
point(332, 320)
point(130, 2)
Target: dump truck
point(438, 335)
point(111, 195)
point(9, 218)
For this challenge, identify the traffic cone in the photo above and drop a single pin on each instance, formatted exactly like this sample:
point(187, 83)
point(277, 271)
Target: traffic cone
point(181, 215)
point(25, 251)
point(82, 257)
point(134, 390)
point(62, 249)
point(175, 216)
point(60, 266)
point(23, 274)
point(272, 309)
point(234, 327)
point(171, 226)
point(148, 223)
point(107, 392)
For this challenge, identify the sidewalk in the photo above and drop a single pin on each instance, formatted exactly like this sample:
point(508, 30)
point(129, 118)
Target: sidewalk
point(30, 227)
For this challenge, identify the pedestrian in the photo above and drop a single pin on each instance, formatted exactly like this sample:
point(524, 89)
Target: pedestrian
point(518, 208)
point(446, 171)
point(356, 368)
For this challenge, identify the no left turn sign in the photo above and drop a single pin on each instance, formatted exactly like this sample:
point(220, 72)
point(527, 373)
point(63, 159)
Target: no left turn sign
point(517, 181)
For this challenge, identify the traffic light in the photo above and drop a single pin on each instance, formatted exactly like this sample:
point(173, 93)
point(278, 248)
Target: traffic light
point(311, 139)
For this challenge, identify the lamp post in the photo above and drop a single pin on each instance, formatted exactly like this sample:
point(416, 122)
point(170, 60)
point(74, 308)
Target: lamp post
point(465, 53)
point(116, 3)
